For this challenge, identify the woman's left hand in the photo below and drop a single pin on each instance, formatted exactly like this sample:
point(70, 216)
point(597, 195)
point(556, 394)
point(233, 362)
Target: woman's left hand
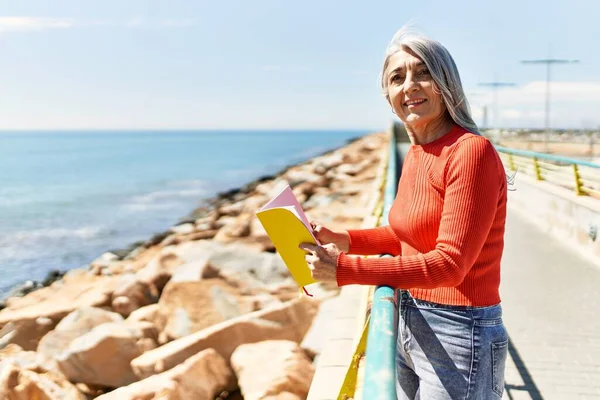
point(322, 261)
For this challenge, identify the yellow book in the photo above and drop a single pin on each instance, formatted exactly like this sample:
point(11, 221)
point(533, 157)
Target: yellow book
point(287, 226)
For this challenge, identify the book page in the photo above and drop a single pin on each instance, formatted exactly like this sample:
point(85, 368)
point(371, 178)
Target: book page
point(287, 199)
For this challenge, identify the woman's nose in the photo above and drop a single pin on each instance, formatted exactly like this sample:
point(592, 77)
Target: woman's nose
point(410, 85)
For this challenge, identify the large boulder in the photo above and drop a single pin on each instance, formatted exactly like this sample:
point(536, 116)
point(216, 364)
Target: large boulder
point(239, 228)
point(18, 383)
point(284, 368)
point(147, 313)
point(61, 298)
point(25, 333)
point(289, 321)
point(324, 164)
point(22, 377)
point(103, 355)
point(74, 325)
point(203, 376)
point(131, 294)
point(251, 268)
point(189, 306)
point(157, 272)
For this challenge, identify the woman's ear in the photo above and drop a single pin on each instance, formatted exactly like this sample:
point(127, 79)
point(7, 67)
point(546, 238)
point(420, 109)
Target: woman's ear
point(387, 97)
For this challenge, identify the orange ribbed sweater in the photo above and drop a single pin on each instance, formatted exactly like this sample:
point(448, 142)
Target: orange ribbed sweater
point(446, 226)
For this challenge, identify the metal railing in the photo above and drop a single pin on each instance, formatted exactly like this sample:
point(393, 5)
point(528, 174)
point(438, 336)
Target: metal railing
point(380, 357)
point(582, 177)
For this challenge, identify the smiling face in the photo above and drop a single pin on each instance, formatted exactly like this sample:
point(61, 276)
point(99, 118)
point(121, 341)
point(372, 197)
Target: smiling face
point(411, 91)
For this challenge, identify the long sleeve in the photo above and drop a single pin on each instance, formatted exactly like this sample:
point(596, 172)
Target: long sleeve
point(474, 179)
point(380, 240)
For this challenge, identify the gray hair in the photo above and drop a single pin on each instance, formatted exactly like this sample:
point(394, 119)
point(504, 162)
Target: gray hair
point(442, 69)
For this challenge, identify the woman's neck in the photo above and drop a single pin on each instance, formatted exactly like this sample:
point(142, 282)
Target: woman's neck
point(423, 134)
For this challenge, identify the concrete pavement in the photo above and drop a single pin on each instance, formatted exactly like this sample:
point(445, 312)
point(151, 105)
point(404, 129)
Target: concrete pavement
point(551, 303)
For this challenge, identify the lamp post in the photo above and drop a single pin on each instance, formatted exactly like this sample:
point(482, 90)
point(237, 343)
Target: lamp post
point(548, 61)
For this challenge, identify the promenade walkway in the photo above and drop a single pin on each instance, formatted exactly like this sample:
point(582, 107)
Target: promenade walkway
point(551, 302)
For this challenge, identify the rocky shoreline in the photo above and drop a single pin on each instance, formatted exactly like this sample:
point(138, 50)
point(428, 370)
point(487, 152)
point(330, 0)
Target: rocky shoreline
point(192, 311)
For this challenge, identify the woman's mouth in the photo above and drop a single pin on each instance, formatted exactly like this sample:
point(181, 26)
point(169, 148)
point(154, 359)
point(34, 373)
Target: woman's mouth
point(414, 102)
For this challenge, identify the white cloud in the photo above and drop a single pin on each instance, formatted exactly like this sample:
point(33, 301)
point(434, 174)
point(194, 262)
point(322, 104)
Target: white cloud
point(24, 24)
point(512, 114)
point(571, 103)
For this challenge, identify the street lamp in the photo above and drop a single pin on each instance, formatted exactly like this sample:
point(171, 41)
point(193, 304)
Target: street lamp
point(548, 61)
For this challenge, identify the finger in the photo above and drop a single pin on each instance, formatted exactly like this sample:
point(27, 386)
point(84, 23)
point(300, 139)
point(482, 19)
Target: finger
point(311, 259)
point(322, 251)
point(308, 247)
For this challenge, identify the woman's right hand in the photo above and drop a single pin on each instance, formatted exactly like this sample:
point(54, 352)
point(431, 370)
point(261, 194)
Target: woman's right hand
point(325, 235)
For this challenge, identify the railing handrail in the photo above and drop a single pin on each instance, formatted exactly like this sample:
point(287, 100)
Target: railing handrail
point(544, 156)
point(380, 357)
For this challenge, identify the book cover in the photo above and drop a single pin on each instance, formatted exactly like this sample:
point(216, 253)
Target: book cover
point(286, 224)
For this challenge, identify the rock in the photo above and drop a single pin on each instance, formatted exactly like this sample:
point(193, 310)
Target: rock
point(171, 240)
point(370, 145)
point(203, 376)
point(288, 321)
point(324, 164)
point(106, 258)
point(224, 221)
point(304, 189)
point(14, 354)
point(158, 271)
point(189, 306)
point(239, 228)
point(319, 201)
point(195, 270)
point(298, 177)
point(131, 294)
point(147, 313)
point(22, 290)
point(284, 368)
point(74, 325)
point(18, 383)
point(58, 300)
point(103, 355)
point(254, 203)
point(250, 267)
point(53, 276)
point(272, 188)
point(156, 239)
point(103, 262)
point(208, 234)
point(183, 229)
point(232, 209)
point(25, 333)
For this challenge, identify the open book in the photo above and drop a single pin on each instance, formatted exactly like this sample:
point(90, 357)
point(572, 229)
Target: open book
point(287, 226)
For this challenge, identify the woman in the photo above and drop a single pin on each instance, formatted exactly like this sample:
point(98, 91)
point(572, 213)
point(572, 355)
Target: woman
point(446, 233)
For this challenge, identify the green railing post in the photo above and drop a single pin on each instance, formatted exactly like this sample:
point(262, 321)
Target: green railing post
point(380, 357)
point(580, 185)
point(511, 162)
point(537, 170)
point(578, 182)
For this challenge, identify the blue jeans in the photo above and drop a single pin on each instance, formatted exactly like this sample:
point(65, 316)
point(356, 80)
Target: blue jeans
point(449, 352)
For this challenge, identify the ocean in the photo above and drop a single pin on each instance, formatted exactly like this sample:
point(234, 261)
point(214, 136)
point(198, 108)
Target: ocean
point(68, 197)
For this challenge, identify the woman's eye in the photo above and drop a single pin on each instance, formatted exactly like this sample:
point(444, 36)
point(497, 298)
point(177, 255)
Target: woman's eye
point(397, 78)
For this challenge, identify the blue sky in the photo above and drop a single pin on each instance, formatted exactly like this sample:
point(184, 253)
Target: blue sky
point(186, 64)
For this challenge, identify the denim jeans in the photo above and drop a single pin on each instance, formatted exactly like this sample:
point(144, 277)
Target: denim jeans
point(449, 352)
